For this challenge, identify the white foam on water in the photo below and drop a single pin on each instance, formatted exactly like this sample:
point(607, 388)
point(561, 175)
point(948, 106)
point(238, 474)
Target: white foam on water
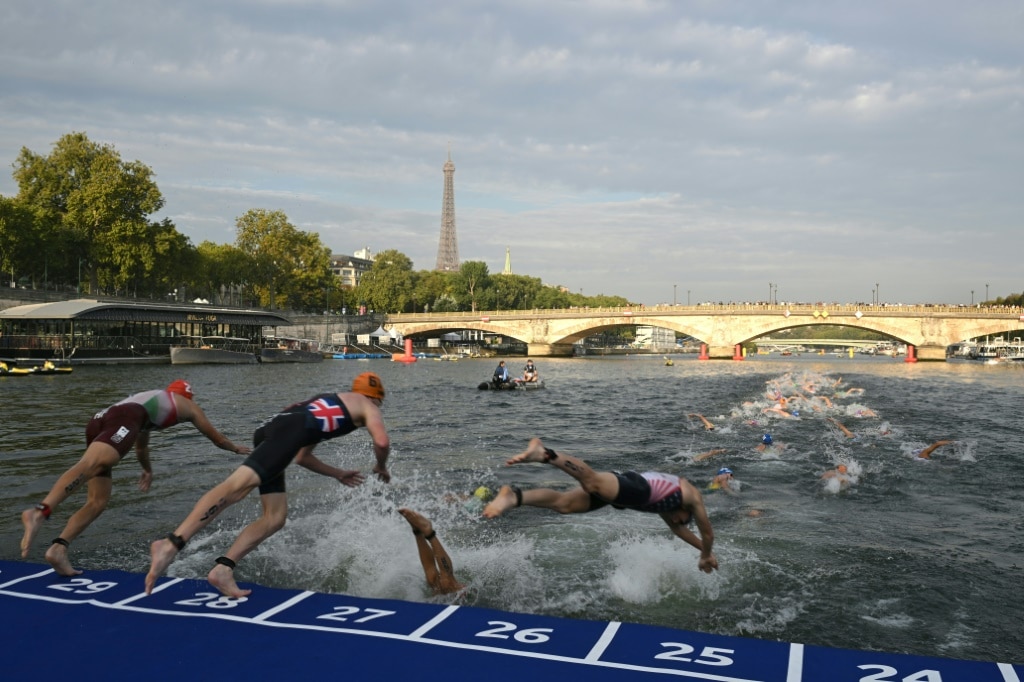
point(649, 569)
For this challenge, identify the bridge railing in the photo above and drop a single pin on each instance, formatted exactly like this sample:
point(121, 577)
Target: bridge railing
point(889, 310)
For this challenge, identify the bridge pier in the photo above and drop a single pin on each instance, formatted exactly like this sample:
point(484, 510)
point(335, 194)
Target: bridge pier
point(930, 353)
point(721, 352)
point(549, 350)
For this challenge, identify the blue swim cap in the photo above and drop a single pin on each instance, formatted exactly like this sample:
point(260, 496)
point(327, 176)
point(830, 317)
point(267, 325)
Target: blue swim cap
point(725, 470)
point(767, 439)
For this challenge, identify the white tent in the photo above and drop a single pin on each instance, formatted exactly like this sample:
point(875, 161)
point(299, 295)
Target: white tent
point(381, 332)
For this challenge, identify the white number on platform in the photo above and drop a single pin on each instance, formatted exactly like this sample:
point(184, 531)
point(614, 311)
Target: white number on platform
point(526, 635)
point(886, 673)
point(341, 614)
point(212, 600)
point(709, 655)
point(82, 586)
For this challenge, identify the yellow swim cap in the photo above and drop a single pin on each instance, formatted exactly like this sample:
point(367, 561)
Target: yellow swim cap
point(483, 493)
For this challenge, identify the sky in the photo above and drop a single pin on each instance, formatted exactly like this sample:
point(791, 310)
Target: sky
point(664, 151)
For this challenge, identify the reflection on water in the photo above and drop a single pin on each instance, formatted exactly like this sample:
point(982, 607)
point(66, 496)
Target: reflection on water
point(911, 556)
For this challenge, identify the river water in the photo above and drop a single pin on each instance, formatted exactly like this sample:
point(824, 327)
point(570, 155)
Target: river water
point(916, 556)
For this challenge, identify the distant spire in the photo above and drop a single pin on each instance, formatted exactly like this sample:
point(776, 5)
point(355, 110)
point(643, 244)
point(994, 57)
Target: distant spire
point(508, 262)
point(448, 247)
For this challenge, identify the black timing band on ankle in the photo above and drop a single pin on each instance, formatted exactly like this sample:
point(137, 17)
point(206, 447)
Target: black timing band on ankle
point(177, 541)
point(519, 495)
point(224, 561)
point(60, 541)
point(550, 454)
point(430, 536)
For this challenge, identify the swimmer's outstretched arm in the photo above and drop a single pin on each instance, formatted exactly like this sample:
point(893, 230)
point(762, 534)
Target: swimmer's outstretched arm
point(927, 452)
point(708, 426)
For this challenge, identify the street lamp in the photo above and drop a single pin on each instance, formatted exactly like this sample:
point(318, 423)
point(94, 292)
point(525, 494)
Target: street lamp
point(972, 296)
point(986, 293)
point(687, 297)
point(769, 292)
point(673, 294)
point(878, 298)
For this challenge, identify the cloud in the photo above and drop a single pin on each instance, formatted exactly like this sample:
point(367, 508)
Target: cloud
point(615, 147)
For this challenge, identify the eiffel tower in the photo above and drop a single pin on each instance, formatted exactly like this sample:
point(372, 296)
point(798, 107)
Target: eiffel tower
point(448, 247)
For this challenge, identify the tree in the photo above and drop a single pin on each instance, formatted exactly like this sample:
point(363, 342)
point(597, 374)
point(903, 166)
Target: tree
point(87, 198)
point(388, 285)
point(20, 241)
point(430, 288)
point(473, 277)
point(289, 266)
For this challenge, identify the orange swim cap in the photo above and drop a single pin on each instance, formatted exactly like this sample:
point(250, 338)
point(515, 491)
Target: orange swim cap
point(370, 385)
point(181, 387)
point(841, 468)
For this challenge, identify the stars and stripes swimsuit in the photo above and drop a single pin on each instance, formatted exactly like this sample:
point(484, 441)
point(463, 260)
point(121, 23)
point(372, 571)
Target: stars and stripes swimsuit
point(651, 491)
point(120, 424)
point(278, 440)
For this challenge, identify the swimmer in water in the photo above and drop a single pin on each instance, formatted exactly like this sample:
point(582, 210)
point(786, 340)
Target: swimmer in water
point(723, 481)
point(840, 474)
point(708, 426)
point(926, 453)
point(768, 444)
point(846, 432)
point(710, 453)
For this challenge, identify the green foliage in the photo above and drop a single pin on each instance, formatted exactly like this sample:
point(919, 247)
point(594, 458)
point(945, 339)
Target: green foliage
point(87, 213)
point(388, 286)
point(473, 278)
point(290, 268)
point(90, 201)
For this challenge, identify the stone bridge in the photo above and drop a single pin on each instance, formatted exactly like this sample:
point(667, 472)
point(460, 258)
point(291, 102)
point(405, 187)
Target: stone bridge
point(927, 330)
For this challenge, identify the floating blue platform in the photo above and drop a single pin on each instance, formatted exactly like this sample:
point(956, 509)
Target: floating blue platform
point(102, 626)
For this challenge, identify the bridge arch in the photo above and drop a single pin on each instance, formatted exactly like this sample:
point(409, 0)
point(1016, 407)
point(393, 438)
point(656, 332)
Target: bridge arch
point(929, 329)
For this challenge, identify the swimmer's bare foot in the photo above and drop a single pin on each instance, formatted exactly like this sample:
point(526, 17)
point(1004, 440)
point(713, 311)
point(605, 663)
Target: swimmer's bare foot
point(505, 499)
point(418, 522)
point(223, 578)
point(32, 519)
point(57, 556)
point(162, 553)
point(534, 452)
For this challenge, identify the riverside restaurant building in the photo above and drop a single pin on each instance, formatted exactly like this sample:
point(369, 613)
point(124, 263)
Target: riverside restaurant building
point(93, 331)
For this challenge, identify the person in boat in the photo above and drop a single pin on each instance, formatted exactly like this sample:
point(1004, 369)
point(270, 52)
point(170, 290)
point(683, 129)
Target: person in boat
point(673, 498)
point(926, 453)
point(437, 565)
point(530, 374)
point(109, 435)
point(290, 435)
point(501, 375)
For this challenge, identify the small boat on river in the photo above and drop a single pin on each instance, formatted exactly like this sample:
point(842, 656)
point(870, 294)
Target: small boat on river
point(50, 368)
point(214, 350)
point(514, 385)
point(287, 349)
point(11, 371)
